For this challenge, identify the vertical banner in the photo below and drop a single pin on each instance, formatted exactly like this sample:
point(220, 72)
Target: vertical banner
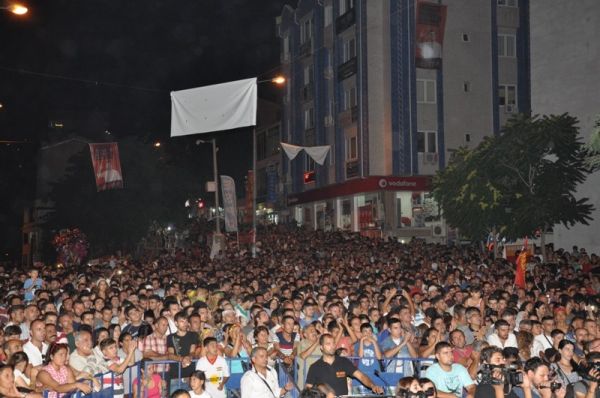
point(229, 203)
point(365, 216)
point(431, 21)
point(249, 195)
point(107, 166)
point(271, 184)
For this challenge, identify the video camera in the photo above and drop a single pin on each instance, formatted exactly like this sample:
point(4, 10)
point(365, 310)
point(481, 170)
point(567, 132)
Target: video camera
point(586, 367)
point(510, 375)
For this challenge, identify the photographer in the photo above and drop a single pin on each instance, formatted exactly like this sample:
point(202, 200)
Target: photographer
point(537, 383)
point(590, 371)
point(492, 380)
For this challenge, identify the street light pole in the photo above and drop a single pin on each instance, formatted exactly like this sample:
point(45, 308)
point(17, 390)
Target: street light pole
point(254, 192)
point(216, 177)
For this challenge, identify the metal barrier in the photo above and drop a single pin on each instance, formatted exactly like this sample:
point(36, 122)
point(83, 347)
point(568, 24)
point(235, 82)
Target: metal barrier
point(383, 372)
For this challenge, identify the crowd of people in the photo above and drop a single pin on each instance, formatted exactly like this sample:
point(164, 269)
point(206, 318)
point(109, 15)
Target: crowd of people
point(314, 314)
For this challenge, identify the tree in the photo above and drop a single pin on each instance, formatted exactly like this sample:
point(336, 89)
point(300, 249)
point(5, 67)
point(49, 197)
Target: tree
point(519, 182)
point(593, 159)
point(156, 187)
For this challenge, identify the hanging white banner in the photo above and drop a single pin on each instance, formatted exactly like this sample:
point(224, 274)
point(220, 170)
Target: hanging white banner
point(218, 107)
point(229, 203)
point(318, 153)
point(291, 150)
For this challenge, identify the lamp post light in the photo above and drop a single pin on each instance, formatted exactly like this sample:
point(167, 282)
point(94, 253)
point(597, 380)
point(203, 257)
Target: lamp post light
point(16, 9)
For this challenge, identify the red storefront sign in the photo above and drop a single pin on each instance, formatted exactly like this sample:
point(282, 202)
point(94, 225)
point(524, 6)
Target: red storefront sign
point(360, 185)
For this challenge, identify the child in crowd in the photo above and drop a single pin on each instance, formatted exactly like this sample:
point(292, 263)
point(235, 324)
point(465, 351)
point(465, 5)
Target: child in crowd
point(197, 381)
point(151, 384)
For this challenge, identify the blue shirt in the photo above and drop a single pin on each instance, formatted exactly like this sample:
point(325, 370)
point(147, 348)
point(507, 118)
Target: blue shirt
point(403, 366)
point(30, 294)
point(452, 382)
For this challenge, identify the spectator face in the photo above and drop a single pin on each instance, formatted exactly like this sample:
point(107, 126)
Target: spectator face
point(581, 336)
point(195, 324)
point(60, 357)
point(88, 319)
point(288, 325)
point(7, 378)
point(13, 345)
point(17, 316)
point(592, 329)
point(49, 307)
point(173, 309)
point(396, 330)
point(84, 344)
point(212, 349)
point(78, 308)
point(38, 331)
point(540, 376)
point(260, 359)
point(134, 315)
point(328, 346)
point(161, 326)
point(182, 325)
point(458, 340)
point(50, 333)
point(445, 356)
point(497, 359)
point(111, 351)
point(503, 332)
point(440, 325)
point(566, 352)
point(548, 326)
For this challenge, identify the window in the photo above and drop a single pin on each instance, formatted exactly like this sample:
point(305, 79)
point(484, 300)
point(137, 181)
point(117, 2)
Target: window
point(507, 95)
point(349, 49)
point(507, 45)
point(426, 91)
point(465, 37)
point(345, 6)
point(351, 148)
point(308, 74)
point(305, 30)
point(328, 15)
point(309, 118)
point(349, 98)
point(467, 138)
point(427, 142)
point(466, 86)
point(507, 3)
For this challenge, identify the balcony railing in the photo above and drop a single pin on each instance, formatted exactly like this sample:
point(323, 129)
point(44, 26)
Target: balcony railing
point(345, 21)
point(347, 69)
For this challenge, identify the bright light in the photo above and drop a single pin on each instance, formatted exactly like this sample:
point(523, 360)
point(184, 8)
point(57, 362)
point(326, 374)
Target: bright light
point(278, 80)
point(18, 9)
point(169, 228)
point(157, 144)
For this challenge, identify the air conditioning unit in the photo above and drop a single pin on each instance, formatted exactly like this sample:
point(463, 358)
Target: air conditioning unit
point(431, 157)
point(328, 121)
point(328, 73)
point(510, 108)
point(437, 230)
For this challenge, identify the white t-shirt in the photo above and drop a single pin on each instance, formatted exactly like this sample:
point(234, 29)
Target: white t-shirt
point(204, 394)
point(215, 373)
point(36, 358)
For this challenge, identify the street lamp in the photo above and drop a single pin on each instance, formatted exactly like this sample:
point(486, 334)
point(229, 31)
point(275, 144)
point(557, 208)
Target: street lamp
point(16, 9)
point(157, 144)
point(216, 177)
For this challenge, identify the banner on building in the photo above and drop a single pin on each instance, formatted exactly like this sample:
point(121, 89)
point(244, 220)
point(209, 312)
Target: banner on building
point(365, 216)
point(431, 21)
point(217, 107)
point(249, 197)
point(317, 153)
point(107, 166)
point(229, 203)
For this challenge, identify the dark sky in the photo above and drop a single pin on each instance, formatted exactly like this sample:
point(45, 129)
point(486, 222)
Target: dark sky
point(157, 45)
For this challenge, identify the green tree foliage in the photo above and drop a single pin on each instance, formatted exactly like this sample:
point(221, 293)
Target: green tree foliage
point(593, 159)
point(518, 182)
point(155, 188)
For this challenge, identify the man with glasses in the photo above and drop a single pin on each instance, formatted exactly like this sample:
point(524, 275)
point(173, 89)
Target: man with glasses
point(449, 378)
point(543, 341)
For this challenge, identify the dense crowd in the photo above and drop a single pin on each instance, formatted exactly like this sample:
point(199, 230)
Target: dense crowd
point(334, 312)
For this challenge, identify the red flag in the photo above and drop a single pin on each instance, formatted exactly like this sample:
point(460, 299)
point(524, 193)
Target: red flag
point(521, 267)
point(107, 166)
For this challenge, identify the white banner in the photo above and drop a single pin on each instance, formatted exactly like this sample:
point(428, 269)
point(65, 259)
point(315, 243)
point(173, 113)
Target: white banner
point(291, 150)
point(318, 153)
point(213, 108)
point(229, 203)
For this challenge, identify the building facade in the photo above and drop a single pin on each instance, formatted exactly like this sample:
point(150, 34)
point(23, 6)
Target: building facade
point(353, 84)
point(564, 63)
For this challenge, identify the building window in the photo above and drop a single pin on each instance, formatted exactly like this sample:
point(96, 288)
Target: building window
point(427, 142)
point(309, 163)
point(465, 37)
point(309, 118)
point(328, 15)
point(305, 30)
point(507, 3)
point(426, 91)
point(507, 45)
point(467, 138)
point(507, 95)
point(466, 86)
point(345, 6)
point(349, 98)
point(349, 49)
point(351, 148)
point(308, 74)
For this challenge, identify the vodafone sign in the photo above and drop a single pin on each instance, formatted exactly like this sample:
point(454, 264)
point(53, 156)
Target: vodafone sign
point(360, 185)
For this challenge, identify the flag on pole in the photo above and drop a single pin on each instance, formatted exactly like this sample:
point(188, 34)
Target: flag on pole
point(229, 203)
point(217, 107)
point(521, 267)
point(291, 150)
point(318, 153)
point(431, 22)
point(107, 166)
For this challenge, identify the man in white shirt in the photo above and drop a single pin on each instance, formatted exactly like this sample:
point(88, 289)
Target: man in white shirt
point(35, 348)
point(502, 337)
point(261, 381)
point(215, 368)
point(543, 341)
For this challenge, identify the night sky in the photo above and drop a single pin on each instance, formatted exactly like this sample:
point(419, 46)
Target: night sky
point(137, 51)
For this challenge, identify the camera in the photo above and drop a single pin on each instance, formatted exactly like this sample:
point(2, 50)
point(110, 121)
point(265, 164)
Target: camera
point(555, 386)
point(586, 367)
point(510, 375)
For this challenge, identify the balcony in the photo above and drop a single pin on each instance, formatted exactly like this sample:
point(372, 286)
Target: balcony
point(345, 21)
point(352, 169)
point(306, 48)
point(347, 69)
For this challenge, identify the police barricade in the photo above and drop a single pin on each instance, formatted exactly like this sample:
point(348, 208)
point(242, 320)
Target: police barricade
point(384, 372)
